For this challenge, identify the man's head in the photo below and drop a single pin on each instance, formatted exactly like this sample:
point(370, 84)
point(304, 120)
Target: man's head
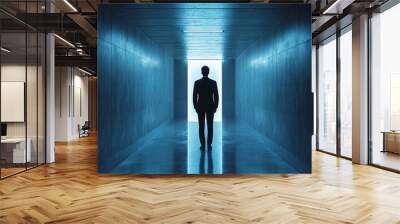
point(205, 70)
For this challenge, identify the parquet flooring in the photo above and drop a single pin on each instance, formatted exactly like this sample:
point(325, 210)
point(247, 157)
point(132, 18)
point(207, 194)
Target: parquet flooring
point(70, 191)
point(5, 172)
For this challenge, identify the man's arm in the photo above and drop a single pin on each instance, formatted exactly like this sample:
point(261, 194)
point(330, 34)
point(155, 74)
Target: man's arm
point(216, 96)
point(195, 93)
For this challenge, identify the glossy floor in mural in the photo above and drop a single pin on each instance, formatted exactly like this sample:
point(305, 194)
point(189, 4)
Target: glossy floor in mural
point(174, 148)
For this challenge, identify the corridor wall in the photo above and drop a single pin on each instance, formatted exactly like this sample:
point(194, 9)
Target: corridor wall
point(273, 88)
point(228, 91)
point(180, 90)
point(130, 68)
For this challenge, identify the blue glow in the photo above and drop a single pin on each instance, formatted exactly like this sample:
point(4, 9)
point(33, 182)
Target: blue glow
point(204, 162)
point(194, 73)
point(267, 87)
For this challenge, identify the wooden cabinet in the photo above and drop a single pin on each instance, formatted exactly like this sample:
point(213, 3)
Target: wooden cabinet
point(391, 142)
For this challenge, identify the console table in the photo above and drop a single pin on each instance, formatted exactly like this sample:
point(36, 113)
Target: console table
point(13, 150)
point(391, 141)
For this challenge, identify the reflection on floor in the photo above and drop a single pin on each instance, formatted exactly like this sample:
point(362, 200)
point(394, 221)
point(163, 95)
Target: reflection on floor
point(346, 151)
point(5, 172)
point(386, 159)
point(8, 169)
point(174, 148)
point(11, 169)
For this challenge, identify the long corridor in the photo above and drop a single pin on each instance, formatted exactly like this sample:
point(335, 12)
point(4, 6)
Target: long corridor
point(174, 147)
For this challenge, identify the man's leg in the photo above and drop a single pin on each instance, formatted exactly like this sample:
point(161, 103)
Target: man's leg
point(201, 116)
point(210, 124)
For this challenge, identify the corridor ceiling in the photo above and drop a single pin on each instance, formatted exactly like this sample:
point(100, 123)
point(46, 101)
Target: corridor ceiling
point(203, 31)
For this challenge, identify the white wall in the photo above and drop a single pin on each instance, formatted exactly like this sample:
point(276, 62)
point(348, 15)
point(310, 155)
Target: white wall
point(34, 126)
point(71, 87)
point(62, 82)
point(314, 90)
point(17, 73)
point(79, 117)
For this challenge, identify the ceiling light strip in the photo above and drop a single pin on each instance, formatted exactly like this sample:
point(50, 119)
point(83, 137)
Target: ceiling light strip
point(84, 71)
point(70, 5)
point(64, 40)
point(331, 7)
point(203, 31)
point(5, 50)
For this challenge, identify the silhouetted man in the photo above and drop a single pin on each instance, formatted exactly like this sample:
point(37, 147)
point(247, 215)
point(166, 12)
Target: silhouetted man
point(205, 101)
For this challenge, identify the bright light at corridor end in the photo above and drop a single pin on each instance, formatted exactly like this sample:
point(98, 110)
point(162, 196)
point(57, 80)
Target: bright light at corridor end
point(194, 73)
point(203, 31)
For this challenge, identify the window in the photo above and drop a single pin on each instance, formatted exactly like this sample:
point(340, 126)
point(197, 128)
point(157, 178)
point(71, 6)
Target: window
point(346, 93)
point(327, 96)
point(385, 89)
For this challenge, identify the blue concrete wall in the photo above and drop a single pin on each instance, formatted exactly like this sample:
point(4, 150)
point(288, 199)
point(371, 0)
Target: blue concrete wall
point(273, 87)
point(228, 89)
point(130, 68)
point(180, 90)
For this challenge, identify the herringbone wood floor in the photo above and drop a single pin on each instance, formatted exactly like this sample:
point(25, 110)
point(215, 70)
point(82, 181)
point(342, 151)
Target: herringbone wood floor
point(70, 191)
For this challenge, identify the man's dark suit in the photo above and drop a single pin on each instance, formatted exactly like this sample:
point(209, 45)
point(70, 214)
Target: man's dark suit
point(205, 101)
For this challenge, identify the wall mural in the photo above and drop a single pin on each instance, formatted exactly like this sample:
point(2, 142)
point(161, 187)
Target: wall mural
point(165, 70)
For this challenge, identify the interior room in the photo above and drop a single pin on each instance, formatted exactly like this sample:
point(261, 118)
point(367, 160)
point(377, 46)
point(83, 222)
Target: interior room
point(249, 60)
point(100, 102)
point(22, 99)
